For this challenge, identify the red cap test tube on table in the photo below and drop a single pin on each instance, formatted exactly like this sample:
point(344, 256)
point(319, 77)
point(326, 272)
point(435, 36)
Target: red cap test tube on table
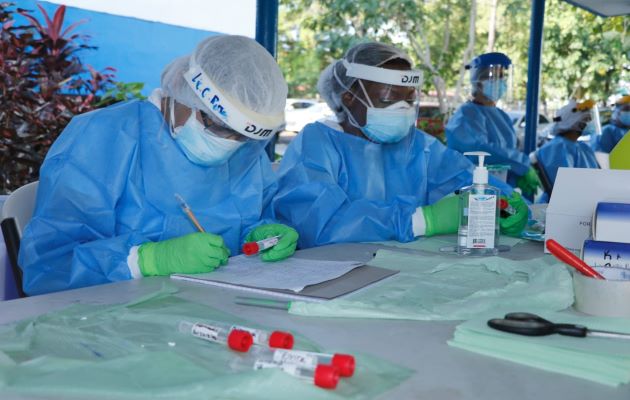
point(212, 331)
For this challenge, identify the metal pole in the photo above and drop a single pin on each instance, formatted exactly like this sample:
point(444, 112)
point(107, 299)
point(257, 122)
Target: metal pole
point(533, 74)
point(267, 36)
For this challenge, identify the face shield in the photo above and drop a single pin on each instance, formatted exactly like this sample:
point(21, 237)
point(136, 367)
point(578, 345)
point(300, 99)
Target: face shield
point(391, 98)
point(491, 77)
point(578, 117)
point(233, 116)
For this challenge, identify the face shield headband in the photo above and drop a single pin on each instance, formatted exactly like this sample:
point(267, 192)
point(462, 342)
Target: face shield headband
point(249, 123)
point(387, 76)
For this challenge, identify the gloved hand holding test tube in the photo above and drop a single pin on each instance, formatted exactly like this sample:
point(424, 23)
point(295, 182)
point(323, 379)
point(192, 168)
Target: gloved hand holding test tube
point(275, 339)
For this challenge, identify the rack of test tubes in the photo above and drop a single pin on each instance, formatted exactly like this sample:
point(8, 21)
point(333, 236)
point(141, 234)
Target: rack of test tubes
point(260, 349)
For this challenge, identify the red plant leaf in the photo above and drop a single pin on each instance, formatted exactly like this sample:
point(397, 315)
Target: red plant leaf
point(33, 20)
point(71, 27)
point(46, 17)
point(57, 22)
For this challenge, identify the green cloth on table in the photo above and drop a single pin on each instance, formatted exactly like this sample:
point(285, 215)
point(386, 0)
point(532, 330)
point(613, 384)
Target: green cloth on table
point(606, 361)
point(135, 350)
point(439, 288)
point(435, 243)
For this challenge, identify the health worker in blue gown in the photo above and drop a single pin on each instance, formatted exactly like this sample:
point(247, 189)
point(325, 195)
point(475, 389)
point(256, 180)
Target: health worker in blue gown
point(618, 127)
point(106, 204)
point(479, 125)
point(371, 175)
point(572, 121)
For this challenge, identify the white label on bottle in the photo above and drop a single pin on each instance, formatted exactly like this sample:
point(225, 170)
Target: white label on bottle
point(205, 332)
point(294, 358)
point(258, 364)
point(253, 332)
point(482, 214)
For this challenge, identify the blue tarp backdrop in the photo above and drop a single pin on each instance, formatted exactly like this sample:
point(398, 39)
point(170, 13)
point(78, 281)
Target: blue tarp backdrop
point(138, 49)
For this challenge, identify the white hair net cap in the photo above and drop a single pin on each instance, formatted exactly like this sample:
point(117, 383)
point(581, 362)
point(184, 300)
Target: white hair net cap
point(239, 67)
point(571, 119)
point(372, 54)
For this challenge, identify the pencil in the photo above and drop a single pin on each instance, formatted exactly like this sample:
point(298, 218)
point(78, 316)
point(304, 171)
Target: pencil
point(189, 212)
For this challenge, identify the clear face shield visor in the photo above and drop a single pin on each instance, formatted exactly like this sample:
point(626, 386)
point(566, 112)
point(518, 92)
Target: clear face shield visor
point(493, 81)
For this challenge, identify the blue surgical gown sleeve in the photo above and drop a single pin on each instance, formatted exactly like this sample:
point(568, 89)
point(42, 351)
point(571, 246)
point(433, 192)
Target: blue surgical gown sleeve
point(481, 128)
point(64, 245)
point(335, 187)
point(611, 135)
point(561, 152)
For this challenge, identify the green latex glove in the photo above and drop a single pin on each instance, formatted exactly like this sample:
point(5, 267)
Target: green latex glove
point(513, 225)
point(286, 245)
point(190, 254)
point(529, 182)
point(442, 217)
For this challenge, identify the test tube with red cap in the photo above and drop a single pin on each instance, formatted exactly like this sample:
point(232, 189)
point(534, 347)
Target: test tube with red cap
point(506, 209)
point(307, 359)
point(235, 339)
point(251, 248)
point(274, 339)
point(324, 376)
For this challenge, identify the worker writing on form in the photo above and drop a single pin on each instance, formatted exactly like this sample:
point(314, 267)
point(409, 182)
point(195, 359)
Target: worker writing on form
point(371, 176)
point(572, 121)
point(106, 206)
point(619, 126)
point(479, 125)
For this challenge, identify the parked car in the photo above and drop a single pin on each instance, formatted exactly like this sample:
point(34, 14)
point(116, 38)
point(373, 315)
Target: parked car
point(299, 112)
point(518, 122)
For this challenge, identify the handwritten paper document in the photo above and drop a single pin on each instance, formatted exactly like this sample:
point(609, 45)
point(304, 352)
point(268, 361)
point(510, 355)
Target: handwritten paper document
point(293, 273)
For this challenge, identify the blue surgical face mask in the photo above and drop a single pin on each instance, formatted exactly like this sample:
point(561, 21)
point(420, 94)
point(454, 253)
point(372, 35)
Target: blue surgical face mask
point(495, 89)
point(390, 124)
point(202, 147)
point(624, 117)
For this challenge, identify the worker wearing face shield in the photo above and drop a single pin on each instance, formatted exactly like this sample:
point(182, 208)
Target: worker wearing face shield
point(479, 125)
point(107, 204)
point(370, 175)
point(572, 121)
point(619, 126)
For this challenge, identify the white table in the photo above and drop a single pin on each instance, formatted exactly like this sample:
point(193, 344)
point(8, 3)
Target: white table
point(442, 372)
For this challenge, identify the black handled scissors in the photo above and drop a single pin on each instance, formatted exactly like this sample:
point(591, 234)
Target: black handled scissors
point(532, 325)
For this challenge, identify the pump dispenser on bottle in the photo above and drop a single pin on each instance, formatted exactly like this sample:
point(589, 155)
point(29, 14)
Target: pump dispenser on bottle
point(478, 233)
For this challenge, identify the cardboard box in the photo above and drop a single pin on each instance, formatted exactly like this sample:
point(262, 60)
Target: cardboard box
point(611, 222)
point(575, 195)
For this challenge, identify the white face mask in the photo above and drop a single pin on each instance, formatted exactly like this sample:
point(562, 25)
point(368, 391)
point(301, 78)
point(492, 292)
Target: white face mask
point(386, 125)
point(200, 146)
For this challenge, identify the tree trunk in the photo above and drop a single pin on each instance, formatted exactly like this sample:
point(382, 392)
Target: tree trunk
point(470, 48)
point(492, 25)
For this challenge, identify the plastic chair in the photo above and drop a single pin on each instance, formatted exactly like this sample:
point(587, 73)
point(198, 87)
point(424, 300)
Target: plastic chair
point(16, 213)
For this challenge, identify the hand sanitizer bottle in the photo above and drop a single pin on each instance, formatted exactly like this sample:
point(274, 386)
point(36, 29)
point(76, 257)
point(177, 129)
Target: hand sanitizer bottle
point(478, 233)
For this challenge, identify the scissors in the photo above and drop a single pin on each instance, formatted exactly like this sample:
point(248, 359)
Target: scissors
point(523, 323)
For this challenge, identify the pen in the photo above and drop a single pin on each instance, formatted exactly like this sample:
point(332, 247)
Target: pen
point(189, 212)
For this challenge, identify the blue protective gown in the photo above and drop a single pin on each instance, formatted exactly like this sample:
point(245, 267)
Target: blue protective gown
point(611, 135)
point(108, 183)
point(475, 127)
point(336, 187)
point(562, 152)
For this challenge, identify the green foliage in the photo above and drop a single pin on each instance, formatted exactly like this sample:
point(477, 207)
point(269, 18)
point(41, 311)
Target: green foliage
point(122, 92)
point(583, 54)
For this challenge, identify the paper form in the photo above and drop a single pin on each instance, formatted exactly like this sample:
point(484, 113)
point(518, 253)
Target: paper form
point(293, 273)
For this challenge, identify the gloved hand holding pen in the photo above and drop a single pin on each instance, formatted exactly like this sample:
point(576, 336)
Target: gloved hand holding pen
point(287, 240)
point(190, 254)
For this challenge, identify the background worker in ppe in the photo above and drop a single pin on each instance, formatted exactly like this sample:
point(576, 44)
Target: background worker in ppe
point(479, 125)
point(572, 121)
point(369, 176)
point(106, 207)
point(618, 127)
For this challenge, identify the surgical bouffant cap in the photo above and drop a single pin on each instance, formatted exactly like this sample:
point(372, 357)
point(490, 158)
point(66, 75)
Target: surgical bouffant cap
point(240, 67)
point(333, 81)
